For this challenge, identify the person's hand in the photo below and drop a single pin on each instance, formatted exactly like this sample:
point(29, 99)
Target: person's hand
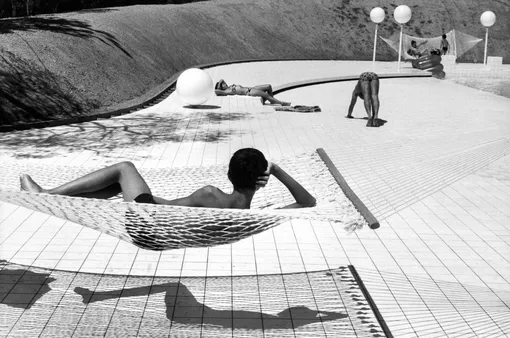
point(264, 178)
point(261, 181)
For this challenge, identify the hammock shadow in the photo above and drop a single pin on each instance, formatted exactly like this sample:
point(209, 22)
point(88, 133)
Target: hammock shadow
point(496, 303)
point(25, 287)
point(96, 10)
point(182, 307)
point(106, 136)
point(72, 27)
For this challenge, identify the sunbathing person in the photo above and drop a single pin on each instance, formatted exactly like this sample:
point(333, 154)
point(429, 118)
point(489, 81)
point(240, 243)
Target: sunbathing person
point(248, 171)
point(265, 92)
point(367, 88)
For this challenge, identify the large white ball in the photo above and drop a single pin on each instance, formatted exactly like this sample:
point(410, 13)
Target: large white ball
point(402, 14)
point(488, 18)
point(377, 15)
point(194, 86)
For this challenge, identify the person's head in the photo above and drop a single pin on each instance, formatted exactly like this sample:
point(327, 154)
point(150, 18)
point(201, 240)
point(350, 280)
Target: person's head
point(246, 165)
point(413, 43)
point(444, 36)
point(221, 85)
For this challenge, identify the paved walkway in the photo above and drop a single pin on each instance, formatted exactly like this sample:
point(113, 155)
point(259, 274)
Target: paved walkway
point(436, 175)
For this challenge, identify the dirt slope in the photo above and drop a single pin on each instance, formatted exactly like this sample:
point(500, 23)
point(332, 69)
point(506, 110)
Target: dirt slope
point(100, 58)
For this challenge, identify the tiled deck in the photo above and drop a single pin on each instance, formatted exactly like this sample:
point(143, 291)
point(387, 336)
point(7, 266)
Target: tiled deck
point(437, 176)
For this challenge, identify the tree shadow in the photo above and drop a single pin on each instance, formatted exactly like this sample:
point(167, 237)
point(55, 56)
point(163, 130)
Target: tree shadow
point(202, 106)
point(170, 2)
point(29, 92)
point(71, 27)
point(104, 137)
point(178, 296)
point(96, 10)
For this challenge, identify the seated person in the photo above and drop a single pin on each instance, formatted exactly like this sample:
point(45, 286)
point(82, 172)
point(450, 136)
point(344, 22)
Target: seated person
point(265, 92)
point(415, 49)
point(248, 171)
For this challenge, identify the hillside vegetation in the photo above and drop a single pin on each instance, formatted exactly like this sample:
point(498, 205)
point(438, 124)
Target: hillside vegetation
point(73, 63)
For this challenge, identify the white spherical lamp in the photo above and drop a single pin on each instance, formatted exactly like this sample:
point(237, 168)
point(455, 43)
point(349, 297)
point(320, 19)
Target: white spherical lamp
point(402, 14)
point(377, 15)
point(194, 86)
point(488, 18)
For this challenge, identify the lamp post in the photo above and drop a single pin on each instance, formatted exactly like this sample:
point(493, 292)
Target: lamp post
point(402, 15)
point(377, 15)
point(488, 18)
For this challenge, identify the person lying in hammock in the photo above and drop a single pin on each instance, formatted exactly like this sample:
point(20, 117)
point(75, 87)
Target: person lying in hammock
point(248, 171)
point(265, 92)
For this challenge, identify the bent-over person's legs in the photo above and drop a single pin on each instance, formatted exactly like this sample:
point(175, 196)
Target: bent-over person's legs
point(367, 95)
point(374, 89)
point(121, 177)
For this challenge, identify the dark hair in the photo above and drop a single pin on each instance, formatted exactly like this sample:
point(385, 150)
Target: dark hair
point(218, 84)
point(245, 166)
point(444, 36)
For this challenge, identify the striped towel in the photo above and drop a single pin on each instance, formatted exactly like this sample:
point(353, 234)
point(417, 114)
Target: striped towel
point(299, 109)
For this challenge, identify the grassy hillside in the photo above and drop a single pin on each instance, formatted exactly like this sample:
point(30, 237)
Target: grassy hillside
point(76, 62)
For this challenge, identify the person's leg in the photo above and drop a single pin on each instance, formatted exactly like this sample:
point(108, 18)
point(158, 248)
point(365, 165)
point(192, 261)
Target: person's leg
point(123, 174)
point(265, 88)
point(365, 92)
point(374, 89)
point(265, 96)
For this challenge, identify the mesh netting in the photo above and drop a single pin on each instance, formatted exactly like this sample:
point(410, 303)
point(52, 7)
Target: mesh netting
point(459, 42)
point(163, 227)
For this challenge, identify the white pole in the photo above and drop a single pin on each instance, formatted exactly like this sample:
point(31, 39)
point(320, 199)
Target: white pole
point(400, 46)
point(455, 43)
point(375, 43)
point(486, 40)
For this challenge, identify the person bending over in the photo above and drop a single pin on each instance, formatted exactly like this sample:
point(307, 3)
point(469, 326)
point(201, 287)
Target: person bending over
point(265, 92)
point(248, 171)
point(367, 89)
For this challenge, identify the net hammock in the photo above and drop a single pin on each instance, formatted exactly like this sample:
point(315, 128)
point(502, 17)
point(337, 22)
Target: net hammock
point(164, 227)
point(459, 42)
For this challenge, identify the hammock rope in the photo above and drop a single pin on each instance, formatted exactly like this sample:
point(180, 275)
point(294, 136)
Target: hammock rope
point(164, 227)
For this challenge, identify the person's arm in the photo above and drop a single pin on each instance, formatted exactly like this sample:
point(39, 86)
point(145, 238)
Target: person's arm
point(353, 102)
point(424, 51)
point(303, 198)
point(220, 92)
point(225, 92)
